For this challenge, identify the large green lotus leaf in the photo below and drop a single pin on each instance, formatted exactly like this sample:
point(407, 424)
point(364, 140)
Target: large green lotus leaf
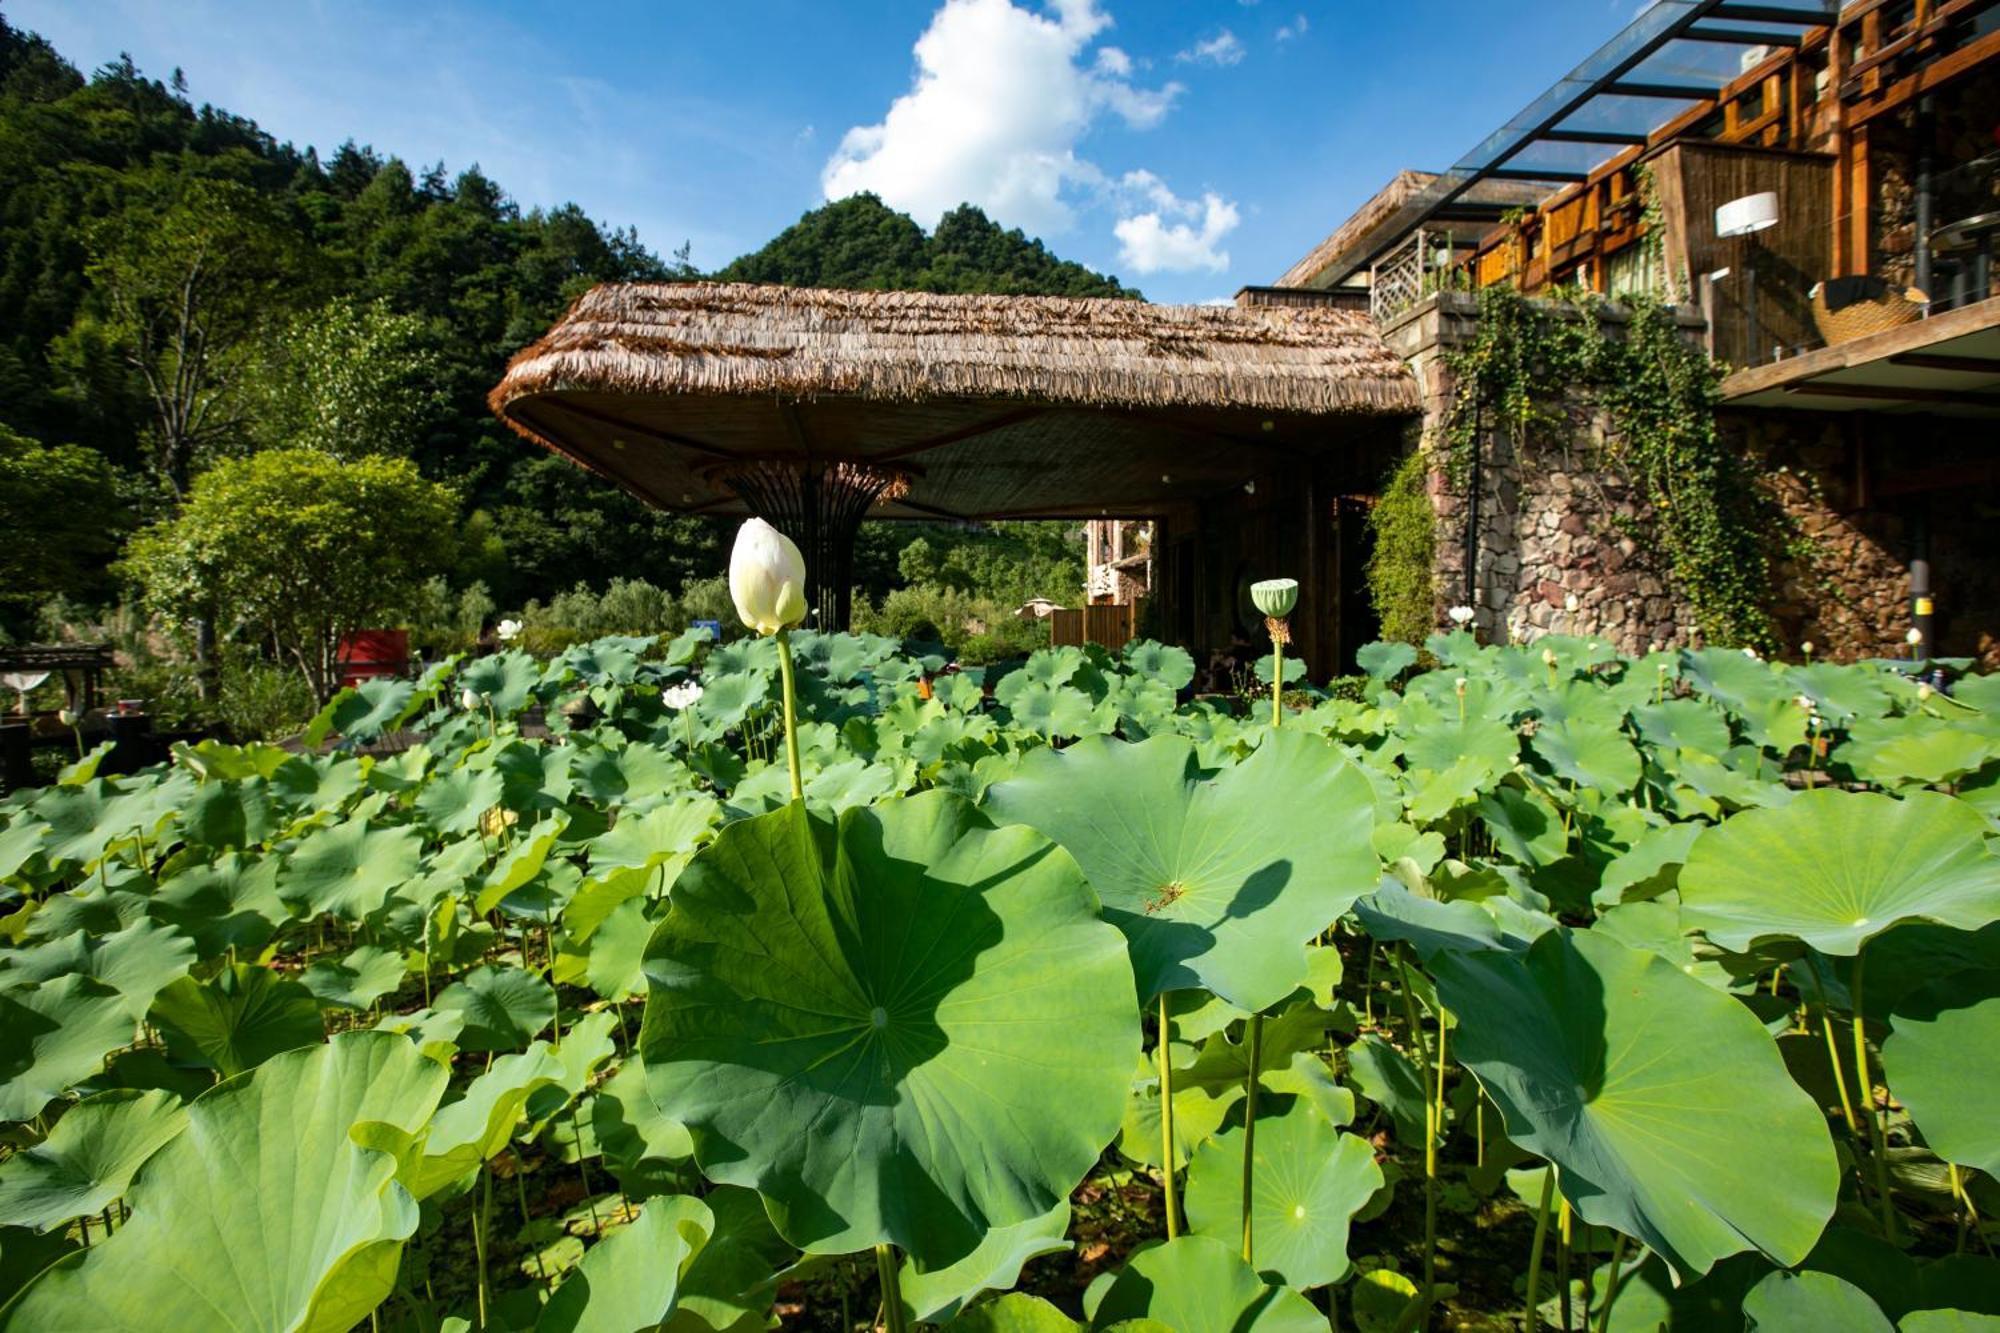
point(1163, 663)
point(1648, 868)
point(907, 1026)
point(88, 1158)
point(239, 1019)
point(1663, 1101)
point(733, 1280)
point(1524, 825)
point(505, 1008)
point(135, 961)
point(640, 1145)
point(453, 803)
point(1014, 1313)
point(1811, 1303)
point(229, 814)
point(644, 841)
point(934, 1296)
point(1219, 882)
point(54, 1035)
point(1051, 710)
point(521, 863)
point(1307, 1183)
point(1919, 748)
point(479, 1124)
point(361, 713)
point(358, 980)
point(1588, 754)
point(1683, 724)
point(263, 1213)
point(1933, 1060)
point(503, 680)
point(1833, 868)
point(230, 902)
point(1197, 1282)
point(1388, 1078)
point(631, 1279)
point(350, 869)
point(1198, 1113)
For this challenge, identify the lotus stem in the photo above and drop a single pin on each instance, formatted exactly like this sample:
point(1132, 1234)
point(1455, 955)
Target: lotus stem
point(791, 718)
point(1839, 1073)
point(1611, 1286)
point(1534, 1312)
point(1277, 680)
point(1167, 1122)
point(479, 1227)
point(1866, 1090)
point(1563, 1223)
point(1433, 1127)
point(1250, 1125)
point(892, 1293)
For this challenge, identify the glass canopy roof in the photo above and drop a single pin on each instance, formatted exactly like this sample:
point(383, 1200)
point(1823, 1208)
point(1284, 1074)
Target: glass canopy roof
point(1673, 55)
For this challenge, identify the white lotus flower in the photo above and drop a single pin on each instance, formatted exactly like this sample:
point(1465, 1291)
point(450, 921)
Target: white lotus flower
point(1914, 637)
point(1806, 648)
point(469, 699)
point(681, 696)
point(508, 630)
point(1751, 653)
point(767, 578)
point(1461, 615)
point(1804, 701)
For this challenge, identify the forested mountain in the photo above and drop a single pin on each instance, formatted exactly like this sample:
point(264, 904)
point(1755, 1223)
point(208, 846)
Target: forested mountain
point(355, 303)
point(860, 242)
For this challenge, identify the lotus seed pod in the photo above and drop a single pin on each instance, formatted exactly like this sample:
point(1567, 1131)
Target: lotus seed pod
point(1275, 597)
point(767, 578)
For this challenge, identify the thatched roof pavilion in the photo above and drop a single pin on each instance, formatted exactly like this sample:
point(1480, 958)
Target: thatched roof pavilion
point(815, 408)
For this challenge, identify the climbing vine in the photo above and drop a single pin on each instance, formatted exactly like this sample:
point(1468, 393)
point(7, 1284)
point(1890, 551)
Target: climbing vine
point(1404, 553)
point(1533, 366)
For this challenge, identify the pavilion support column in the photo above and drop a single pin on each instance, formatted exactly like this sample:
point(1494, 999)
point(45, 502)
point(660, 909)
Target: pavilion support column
point(819, 503)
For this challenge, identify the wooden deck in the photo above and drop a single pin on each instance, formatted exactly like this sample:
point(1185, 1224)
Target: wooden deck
point(1948, 365)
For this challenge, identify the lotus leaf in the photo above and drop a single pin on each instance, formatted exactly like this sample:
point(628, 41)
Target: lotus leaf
point(238, 1019)
point(1811, 1302)
point(350, 869)
point(1934, 1061)
point(1834, 868)
point(505, 1008)
point(905, 1026)
point(1216, 882)
point(88, 1158)
point(1601, 1057)
point(54, 1035)
point(1308, 1182)
point(1197, 1282)
point(936, 1296)
point(263, 1212)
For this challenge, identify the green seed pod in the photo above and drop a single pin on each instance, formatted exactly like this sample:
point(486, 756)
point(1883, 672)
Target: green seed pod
point(1275, 597)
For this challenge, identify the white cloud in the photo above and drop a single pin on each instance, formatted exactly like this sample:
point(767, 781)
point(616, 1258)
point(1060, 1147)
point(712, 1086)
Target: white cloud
point(1296, 28)
point(1000, 100)
point(1175, 235)
point(1221, 49)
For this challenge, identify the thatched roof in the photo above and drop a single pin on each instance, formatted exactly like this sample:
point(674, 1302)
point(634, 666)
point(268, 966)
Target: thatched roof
point(1369, 219)
point(1002, 396)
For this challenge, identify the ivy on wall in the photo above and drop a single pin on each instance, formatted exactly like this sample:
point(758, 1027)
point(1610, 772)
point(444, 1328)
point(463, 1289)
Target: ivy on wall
point(1405, 553)
point(1535, 365)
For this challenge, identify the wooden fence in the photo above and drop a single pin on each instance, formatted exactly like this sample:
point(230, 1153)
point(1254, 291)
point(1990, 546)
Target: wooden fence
point(1112, 626)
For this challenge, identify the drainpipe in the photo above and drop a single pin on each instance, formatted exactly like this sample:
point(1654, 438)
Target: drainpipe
point(1472, 508)
point(1923, 611)
point(1926, 193)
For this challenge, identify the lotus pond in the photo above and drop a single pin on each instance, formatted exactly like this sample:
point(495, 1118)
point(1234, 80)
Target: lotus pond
point(1525, 987)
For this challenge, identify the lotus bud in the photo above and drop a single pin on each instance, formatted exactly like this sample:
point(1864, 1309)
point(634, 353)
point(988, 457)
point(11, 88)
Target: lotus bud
point(1461, 616)
point(468, 699)
point(1570, 604)
point(1914, 637)
point(1549, 658)
point(1751, 653)
point(1924, 691)
point(1806, 648)
point(767, 578)
point(66, 716)
point(1804, 701)
point(1275, 597)
point(1459, 687)
point(508, 630)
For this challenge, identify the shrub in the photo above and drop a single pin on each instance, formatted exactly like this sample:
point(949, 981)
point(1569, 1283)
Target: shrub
point(1400, 579)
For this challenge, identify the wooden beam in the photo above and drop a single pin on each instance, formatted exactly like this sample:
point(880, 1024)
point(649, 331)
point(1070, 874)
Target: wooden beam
point(1957, 477)
point(1972, 365)
point(1928, 78)
point(1745, 13)
point(1885, 393)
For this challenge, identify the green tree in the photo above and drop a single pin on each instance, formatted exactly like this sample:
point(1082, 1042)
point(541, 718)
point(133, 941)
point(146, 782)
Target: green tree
point(63, 517)
point(184, 286)
point(350, 379)
point(297, 549)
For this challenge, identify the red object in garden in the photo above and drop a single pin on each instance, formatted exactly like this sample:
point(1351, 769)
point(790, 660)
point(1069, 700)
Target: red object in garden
point(368, 654)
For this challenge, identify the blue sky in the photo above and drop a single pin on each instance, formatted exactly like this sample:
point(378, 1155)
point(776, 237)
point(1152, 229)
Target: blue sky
point(1189, 146)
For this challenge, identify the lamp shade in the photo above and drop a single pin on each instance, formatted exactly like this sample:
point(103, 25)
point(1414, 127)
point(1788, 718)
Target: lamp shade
point(1751, 213)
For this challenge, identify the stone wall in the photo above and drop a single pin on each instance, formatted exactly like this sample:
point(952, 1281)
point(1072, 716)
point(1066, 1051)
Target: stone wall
point(1551, 525)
